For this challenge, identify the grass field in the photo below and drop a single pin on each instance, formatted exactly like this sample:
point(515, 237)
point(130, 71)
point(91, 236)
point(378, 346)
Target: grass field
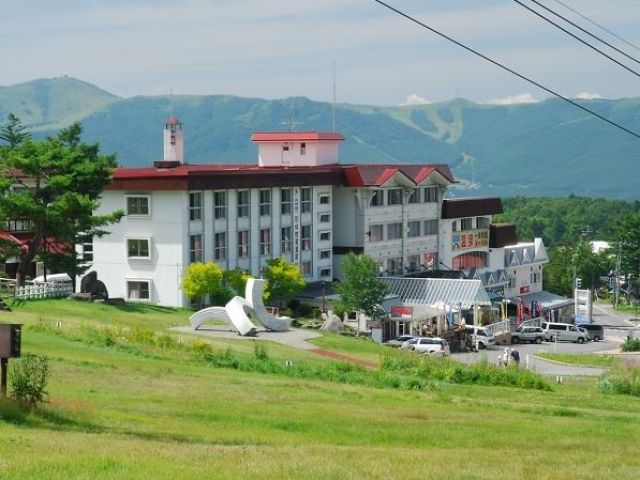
point(149, 412)
point(587, 360)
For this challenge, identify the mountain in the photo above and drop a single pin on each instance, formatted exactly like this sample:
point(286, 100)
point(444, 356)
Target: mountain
point(544, 149)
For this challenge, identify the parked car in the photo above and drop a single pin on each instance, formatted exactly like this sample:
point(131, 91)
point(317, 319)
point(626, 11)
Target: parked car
point(397, 342)
point(595, 332)
point(564, 332)
point(432, 346)
point(409, 344)
point(528, 334)
point(485, 340)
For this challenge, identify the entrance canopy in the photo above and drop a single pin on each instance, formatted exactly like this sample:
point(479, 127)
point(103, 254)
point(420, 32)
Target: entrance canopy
point(425, 292)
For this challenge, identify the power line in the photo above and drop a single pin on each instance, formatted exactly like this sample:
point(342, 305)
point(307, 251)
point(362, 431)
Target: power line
point(504, 67)
point(584, 42)
point(593, 22)
point(586, 31)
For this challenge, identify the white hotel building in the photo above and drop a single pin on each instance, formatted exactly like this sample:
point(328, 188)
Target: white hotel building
point(297, 202)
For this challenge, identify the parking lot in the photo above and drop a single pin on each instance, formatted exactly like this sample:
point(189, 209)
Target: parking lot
point(613, 338)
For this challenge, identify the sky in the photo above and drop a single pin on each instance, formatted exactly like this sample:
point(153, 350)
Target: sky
point(284, 48)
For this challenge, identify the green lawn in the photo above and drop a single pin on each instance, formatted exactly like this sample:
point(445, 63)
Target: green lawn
point(588, 360)
point(151, 413)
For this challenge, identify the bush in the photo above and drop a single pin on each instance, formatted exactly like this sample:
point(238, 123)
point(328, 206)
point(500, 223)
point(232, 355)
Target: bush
point(29, 378)
point(260, 351)
point(624, 380)
point(631, 345)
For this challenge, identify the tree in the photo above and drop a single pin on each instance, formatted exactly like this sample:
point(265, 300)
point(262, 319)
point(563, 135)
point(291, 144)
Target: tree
point(361, 290)
point(14, 132)
point(54, 184)
point(202, 279)
point(236, 280)
point(284, 280)
point(628, 243)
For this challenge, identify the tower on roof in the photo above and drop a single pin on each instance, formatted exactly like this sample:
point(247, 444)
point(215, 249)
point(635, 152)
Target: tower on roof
point(297, 149)
point(173, 141)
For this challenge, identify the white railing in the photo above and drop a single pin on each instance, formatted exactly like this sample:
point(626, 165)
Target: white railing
point(498, 328)
point(44, 290)
point(7, 285)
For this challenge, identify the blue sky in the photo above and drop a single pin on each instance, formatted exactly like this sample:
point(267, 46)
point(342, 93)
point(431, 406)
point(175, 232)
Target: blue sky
point(281, 48)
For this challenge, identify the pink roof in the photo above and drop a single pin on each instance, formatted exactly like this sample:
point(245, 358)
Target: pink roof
point(378, 174)
point(172, 120)
point(296, 137)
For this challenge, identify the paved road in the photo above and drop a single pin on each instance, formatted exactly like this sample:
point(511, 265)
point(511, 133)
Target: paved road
point(296, 338)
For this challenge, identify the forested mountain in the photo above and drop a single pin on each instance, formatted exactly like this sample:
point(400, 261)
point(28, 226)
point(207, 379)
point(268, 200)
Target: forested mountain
point(543, 149)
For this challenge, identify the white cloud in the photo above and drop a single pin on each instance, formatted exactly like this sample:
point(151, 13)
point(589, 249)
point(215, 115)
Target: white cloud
point(588, 96)
point(414, 99)
point(513, 100)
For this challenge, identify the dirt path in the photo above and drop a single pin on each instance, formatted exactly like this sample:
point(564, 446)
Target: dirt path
point(345, 358)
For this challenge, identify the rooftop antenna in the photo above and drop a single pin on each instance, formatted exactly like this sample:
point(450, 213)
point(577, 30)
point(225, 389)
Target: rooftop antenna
point(334, 96)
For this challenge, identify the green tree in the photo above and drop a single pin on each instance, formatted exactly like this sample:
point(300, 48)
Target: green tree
point(55, 184)
point(202, 279)
point(628, 243)
point(236, 280)
point(284, 280)
point(14, 132)
point(361, 289)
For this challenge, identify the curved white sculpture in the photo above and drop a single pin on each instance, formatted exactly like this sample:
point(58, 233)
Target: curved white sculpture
point(238, 310)
point(253, 294)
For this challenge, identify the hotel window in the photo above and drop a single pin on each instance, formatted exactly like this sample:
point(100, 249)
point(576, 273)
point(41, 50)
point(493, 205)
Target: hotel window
point(430, 194)
point(285, 201)
point(469, 260)
point(376, 233)
point(394, 196)
point(325, 272)
point(431, 227)
point(466, 224)
point(324, 254)
point(413, 229)
point(325, 218)
point(378, 198)
point(325, 199)
point(138, 206)
point(305, 237)
point(413, 262)
point(243, 203)
point(394, 266)
point(285, 148)
point(286, 240)
point(306, 199)
point(454, 226)
point(482, 222)
point(220, 246)
point(220, 204)
point(414, 197)
point(307, 268)
point(265, 241)
point(195, 206)
point(512, 281)
point(535, 277)
point(324, 236)
point(138, 290)
point(394, 231)
point(138, 248)
point(195, 248)
point(243, 244)
point(265, 202)
point(303, 148)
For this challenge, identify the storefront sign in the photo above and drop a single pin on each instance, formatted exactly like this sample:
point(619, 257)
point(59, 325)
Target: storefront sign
point(524, 289)
point(402, 312)
point(464, 240)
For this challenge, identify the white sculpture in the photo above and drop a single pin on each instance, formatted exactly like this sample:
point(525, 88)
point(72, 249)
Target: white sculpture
point(239, 311)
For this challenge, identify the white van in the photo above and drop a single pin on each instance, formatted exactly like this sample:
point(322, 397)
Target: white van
point(485, 340)
point(564, 332)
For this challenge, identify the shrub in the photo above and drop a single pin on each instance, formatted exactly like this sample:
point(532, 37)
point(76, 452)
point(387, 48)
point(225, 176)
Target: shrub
point(260, 351)
point(631, 345)
point(29, 378)
point(624, 380)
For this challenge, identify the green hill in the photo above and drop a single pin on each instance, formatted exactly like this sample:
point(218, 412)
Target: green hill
point(544, 149)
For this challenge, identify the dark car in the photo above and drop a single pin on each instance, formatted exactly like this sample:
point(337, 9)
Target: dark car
point(595, 332)
point(528, 334)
